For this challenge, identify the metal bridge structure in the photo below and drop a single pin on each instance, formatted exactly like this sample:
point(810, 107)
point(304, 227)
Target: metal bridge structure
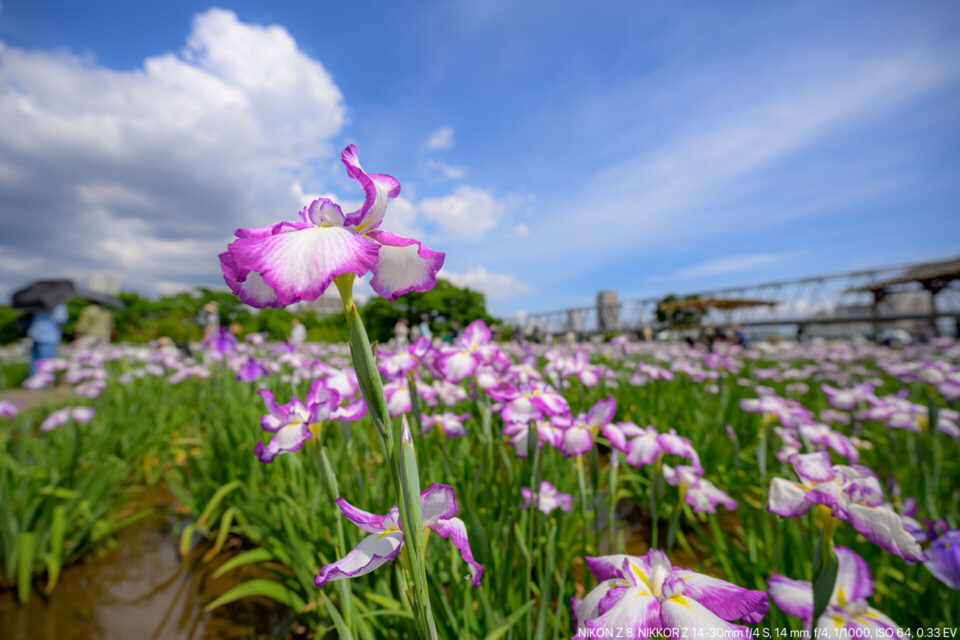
point(921, 296)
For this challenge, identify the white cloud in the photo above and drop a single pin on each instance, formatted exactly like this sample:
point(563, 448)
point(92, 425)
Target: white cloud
point(495, 286)
point(521, 230)
point(466, 214)
point(442, 138)
point(151, 169)
point(727, 265)
point(444, 170)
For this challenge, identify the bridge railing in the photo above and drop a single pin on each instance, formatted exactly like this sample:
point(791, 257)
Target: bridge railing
point(827, 299)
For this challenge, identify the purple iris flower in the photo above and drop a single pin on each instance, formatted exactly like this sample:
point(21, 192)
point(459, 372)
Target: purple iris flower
point(472, 350)
point(646, 445)
point(850, 493)
point(528, 403)
point(251, 370)
point(547, 498)
point(439, 508)
point(287, 262)
point(944, 558)
point(848, 399)
point(8, 409)
point(643, 596)
point(847, 609)
point(578, 438)
point(450, 423)
point(290, 423)
point(702, 495)
point(221, 343)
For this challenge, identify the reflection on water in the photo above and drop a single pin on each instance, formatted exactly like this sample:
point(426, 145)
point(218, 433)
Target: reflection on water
point(142, 589)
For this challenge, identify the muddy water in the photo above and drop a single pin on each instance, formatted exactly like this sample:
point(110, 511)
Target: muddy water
point(143, 590)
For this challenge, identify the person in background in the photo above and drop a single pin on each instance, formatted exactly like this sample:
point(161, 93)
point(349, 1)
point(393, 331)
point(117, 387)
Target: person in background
point(94, 327)
point(298, 333)
point(740, 337)
point(425, 329)
point(210, 318)
point(46, 330)
point(401, 332)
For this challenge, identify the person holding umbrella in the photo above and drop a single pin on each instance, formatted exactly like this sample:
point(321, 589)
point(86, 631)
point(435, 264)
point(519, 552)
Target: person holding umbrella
point(46, 330)
point(43, 303)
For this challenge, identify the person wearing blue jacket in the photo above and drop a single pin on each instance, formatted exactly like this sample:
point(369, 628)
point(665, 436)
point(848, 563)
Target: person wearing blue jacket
point(46, 329)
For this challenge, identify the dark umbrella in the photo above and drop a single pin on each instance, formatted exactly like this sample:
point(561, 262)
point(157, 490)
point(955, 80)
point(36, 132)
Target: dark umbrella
point(102, 299)
point(43, 295)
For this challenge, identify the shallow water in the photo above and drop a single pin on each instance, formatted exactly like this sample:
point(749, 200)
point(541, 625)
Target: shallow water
point(142, 589)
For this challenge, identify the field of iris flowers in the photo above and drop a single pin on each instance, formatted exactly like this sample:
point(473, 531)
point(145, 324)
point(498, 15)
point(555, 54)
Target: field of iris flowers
point(484, 490)
point(711, 459)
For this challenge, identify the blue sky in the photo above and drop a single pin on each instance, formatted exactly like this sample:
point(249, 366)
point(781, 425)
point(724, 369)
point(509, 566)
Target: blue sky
point(551, 149)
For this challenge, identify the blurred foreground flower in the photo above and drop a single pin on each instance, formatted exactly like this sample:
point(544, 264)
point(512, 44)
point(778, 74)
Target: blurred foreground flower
point(847, 614)
point(642, 596)
point(944, 562)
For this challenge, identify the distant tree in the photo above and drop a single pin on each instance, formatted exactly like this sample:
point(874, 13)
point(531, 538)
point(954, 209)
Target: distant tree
point(8, 325)
point(178, 316)
point(680, 317)
point(441, 306)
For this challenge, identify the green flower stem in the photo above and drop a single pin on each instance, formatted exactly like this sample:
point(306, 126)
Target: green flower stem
point(399, 453)
point(333, 492)
point(533, 455)
point(654, 513)
point(824, 571)
point(612, 489)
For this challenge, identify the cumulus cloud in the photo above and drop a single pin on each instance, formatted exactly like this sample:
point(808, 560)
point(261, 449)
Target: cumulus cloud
point(466, 214)
point(495, 286)
point(150, 169)
point(442, 138)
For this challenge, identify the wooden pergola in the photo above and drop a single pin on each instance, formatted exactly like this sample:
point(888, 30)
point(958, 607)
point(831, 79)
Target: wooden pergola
point(931, 276)
point(705, 305)
point(709, 304)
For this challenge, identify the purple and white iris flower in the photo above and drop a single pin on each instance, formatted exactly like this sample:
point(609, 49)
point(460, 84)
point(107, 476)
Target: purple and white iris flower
point(642, 596)
point(644, 446)
point(450, 423)
point(848, 614)
point(61, 417)
point(528, 403)
point(702, 495)
point(848, 399)
point(849, 493)
point(287, 262)
point(471, 351)
point(578, 438)
point(547, 499)
point(8, 409)
point(439, 509)
point(290, 423)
